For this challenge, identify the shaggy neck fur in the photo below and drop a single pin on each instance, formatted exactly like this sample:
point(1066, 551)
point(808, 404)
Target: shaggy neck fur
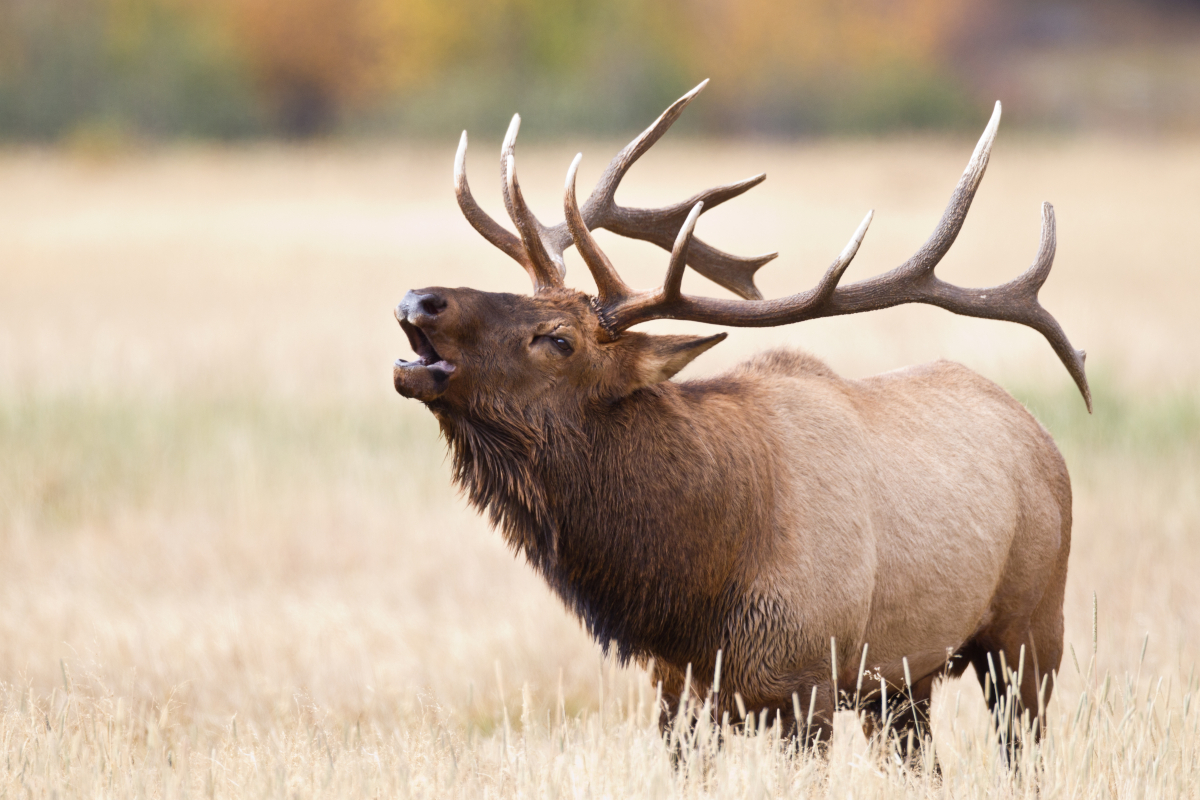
point(650, 564)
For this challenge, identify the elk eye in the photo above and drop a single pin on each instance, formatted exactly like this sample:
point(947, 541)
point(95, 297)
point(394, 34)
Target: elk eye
point(562, 344)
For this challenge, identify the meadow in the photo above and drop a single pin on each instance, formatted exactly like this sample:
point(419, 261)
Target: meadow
point(232, 563)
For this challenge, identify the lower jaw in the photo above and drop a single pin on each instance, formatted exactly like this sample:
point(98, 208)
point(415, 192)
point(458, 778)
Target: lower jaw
point(419, 381)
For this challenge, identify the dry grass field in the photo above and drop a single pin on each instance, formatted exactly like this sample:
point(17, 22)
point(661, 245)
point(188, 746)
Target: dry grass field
point(232, 563)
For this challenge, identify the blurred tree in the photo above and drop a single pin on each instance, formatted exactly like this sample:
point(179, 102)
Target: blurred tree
point(807, 64)
point(305, 67)
point(309, 58)
point(129, 68)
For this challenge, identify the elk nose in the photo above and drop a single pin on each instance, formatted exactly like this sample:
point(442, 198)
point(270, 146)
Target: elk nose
point(425, 303)
point(432, 304)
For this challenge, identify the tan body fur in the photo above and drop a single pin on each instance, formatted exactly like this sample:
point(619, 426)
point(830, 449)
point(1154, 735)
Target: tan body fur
point(920, 512)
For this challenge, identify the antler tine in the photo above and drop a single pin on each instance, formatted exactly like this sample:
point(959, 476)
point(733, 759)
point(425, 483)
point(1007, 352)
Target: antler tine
point(936, 246)
point(609, 285)
point(1017, 301)
point(600, 200)
point(487, 227)
point(661, 225)
point(532, 259)
point(825, 289)
point(658, 226)
point(547, 271)
point(674, 279)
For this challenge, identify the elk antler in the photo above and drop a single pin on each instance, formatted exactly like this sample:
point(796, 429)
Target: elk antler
point(911, 282)
point(539, 249)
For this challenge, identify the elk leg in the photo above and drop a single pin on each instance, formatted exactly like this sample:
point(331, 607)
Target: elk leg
point(1010, 686)
point(672, 682)
point(814, 728)
point(1045, 644)
point(910, 718)
point(1016, 690)
point(907, 715)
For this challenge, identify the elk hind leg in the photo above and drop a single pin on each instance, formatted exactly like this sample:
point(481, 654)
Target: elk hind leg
point(1016, 672)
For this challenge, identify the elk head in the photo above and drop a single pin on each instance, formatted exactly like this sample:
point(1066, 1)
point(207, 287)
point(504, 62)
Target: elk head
point(506, 355)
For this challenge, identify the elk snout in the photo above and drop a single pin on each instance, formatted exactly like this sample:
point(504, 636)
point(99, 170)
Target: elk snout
point(421, 307)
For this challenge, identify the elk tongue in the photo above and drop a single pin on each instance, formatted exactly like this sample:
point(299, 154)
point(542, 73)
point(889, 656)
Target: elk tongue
point(421, 381)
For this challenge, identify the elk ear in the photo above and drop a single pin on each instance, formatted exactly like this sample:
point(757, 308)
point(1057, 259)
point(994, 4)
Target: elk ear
point(657, 358)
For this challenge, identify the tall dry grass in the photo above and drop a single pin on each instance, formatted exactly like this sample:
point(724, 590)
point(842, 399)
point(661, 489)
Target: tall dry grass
point(231, 562)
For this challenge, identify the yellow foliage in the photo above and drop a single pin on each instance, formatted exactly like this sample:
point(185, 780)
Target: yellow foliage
point(354, 47)
point(752, 42)
point(419, 38)
point(312, 58)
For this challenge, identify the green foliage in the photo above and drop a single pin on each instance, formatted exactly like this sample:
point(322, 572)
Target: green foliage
point(1125, 423)
point(99, 71)
point(75, 67)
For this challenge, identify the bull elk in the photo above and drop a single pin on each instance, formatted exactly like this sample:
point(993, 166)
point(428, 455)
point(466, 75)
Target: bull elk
point(918, 520)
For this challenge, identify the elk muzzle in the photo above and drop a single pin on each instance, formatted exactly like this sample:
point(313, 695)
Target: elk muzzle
point(427, 376)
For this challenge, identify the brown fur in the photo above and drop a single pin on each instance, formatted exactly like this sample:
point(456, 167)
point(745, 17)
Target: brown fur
point(922, 512)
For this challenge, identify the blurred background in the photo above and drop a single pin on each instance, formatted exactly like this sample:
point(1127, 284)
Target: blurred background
point(223, 533)
point(108, 70)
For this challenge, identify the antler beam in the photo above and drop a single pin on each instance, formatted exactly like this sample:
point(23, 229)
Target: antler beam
point(913, 281)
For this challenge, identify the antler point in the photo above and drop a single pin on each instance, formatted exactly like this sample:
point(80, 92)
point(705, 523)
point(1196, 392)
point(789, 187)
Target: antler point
point(570, 186)
point(510, 172)
point(510, 136)
point(460, 159)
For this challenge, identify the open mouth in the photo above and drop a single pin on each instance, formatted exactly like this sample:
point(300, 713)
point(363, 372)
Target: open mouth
point(426, 376)
point(427, 356)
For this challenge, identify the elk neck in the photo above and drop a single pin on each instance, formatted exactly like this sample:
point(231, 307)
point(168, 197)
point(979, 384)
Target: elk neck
point(640, 515)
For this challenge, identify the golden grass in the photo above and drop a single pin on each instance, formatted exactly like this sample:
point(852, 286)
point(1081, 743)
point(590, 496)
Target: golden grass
point(231, 562)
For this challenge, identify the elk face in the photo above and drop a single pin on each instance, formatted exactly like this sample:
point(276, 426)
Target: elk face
point(485, 349)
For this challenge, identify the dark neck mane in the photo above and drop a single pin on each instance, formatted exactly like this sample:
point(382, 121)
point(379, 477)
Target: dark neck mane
point(633, 513)
point(495, 460)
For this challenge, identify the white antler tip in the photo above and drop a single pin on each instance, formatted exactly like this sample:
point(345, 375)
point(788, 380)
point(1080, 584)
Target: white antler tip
point(687, 98)
point(689, 224)
point(460, 160)
point(510, 137)
point(862, 228)
point(510, 172)
point(572, 170)
point(851, 248)
point(984, 148)
point(994, 121)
